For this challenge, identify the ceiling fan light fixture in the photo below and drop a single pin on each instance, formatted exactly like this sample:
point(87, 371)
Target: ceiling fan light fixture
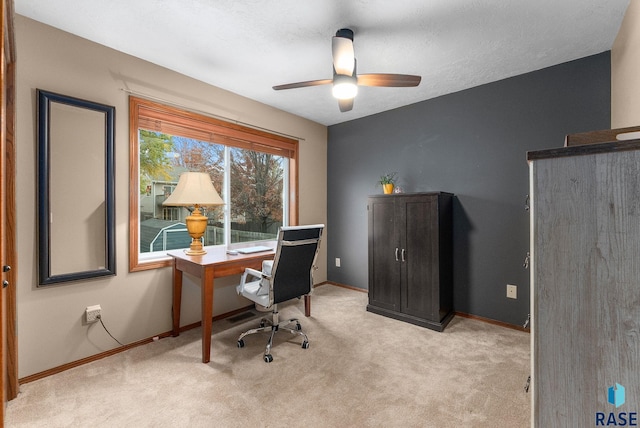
point(345, 78)
point(344, 87)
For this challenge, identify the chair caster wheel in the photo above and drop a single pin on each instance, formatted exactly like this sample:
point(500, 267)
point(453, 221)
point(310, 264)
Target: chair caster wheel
point(268, 358)
point(298, 326)
point(305, 345)
point(262, 324)
point(240, 343)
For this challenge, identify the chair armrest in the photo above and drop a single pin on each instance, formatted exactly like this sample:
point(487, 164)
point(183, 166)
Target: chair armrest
point(253, 272)
point(249, 272)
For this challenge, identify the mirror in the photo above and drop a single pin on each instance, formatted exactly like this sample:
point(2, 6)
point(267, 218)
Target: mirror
point(76, 212)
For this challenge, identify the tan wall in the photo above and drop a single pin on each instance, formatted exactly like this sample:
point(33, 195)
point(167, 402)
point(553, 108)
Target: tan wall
point(137, 305)
point(625, 70)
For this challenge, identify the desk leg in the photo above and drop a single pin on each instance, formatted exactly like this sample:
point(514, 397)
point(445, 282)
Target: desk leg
point(307, 306)
point(206, 288)
point(177, 299)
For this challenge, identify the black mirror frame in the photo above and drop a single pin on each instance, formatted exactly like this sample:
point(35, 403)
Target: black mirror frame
point(45, 99)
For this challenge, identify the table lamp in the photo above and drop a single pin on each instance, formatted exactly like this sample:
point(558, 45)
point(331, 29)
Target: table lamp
point(195, 189)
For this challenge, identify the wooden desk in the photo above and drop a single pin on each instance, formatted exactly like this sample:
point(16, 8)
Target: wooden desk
point(215, 264)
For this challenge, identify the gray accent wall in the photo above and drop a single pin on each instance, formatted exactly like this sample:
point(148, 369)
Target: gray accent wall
point(472, 143)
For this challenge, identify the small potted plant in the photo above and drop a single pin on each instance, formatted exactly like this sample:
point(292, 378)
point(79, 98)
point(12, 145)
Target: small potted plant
point(387, 182)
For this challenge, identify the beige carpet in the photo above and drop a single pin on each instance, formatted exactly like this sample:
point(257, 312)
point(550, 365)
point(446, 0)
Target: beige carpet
point(361, 370)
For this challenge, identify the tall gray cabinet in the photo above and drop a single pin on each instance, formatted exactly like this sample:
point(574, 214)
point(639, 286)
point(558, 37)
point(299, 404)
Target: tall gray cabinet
point(585, 283)
point(410, 258)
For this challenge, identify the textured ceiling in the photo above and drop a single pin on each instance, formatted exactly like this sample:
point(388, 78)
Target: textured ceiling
point(249, 46)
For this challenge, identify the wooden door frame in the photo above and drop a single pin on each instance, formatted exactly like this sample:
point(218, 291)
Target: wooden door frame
point(9, 386)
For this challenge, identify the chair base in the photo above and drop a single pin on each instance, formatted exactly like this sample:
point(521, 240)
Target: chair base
point(273, 325)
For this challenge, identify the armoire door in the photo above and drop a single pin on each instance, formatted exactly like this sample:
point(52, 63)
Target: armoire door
point(384, 248)
point(419, 243)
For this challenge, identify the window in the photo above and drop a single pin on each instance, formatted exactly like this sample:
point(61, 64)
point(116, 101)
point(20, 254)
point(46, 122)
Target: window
point(171, 213)
point(254, 171)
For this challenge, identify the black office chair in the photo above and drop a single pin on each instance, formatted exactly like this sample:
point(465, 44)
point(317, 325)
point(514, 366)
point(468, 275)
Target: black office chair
point(289, 275)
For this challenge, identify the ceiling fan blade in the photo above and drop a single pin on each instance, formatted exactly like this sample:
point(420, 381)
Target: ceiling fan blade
point(345, 105)
point(303, 84)
point(389, 80)
point(343, 53)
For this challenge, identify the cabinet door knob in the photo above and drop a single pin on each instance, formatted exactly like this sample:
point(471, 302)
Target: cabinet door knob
point(5, 283)
point(397, 254)
point(403, 252)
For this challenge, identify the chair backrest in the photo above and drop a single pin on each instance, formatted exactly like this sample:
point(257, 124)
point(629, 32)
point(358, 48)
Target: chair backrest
point(294, 261)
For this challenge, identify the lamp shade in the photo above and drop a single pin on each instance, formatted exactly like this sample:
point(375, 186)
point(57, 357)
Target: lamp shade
point(194, 188)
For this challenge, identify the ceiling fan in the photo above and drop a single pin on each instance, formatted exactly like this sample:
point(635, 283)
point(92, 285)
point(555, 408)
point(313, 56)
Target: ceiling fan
point(345, 80)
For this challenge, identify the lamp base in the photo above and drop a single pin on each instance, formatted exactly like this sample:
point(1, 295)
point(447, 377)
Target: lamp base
point(196, 226)
point(191, 252)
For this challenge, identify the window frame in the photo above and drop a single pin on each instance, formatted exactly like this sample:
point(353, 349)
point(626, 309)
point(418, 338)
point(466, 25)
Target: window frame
point(172, 120)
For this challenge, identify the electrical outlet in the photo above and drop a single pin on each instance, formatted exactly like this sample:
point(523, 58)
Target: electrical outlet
point(337, 261)
point(92, 313)
point(512, 291)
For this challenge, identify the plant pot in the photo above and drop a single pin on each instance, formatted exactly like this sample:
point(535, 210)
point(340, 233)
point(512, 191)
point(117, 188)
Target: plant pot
point(387, 188)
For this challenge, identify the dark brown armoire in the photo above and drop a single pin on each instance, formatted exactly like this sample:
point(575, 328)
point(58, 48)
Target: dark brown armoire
point(410, 257)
